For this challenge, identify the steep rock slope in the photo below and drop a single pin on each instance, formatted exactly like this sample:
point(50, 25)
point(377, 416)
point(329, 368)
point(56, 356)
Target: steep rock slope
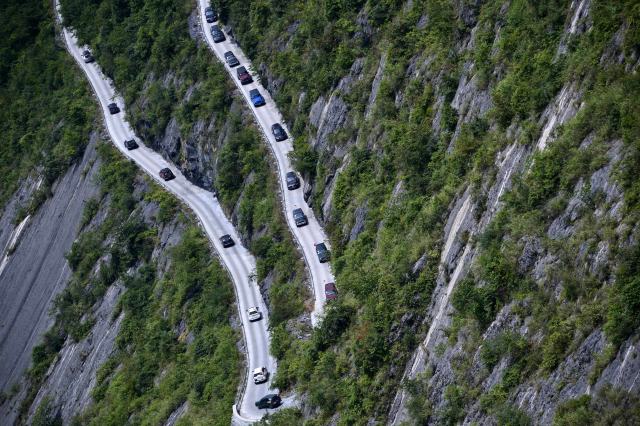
point(472, 165)
point(34, 269)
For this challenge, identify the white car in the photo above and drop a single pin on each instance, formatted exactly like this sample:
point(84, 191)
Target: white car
point(254, 314)
point(260, 375)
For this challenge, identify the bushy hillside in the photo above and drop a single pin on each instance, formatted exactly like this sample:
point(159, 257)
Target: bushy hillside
point(476, 167)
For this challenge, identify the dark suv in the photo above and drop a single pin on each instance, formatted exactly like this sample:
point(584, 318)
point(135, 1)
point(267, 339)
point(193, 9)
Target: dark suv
point(278, 132)
point(300, 218)
point(227, 241)
point(323, 252)
point(167, 174)
point(244, 76)
point(269, 401)
point(231, 59)
point(87, 57)
point(210, 14)
point(113, 108)
point(218, 35)
point(130, 144)
point(292, 181)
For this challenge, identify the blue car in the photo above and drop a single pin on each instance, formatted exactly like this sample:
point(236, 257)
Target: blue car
point(256, 98)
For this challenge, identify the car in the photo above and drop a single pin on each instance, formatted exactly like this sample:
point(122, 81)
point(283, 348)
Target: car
point(113, 108)
point(323, 252)
point(292, 181)
point(330, 291)
point(167, 174)
point(210, 14)
point(269, 401)
point(260, 375)
point(278, 132)
point(300, 218)
point(217, 34)
point(231, 59)
point(227, 241)
point(130, 144)
point(244, 76)
point(256, 98)
point(254, 314)
point(87, 57)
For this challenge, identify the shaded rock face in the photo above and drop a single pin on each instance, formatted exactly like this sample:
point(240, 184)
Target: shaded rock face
point(36, 270)
point(72, 378)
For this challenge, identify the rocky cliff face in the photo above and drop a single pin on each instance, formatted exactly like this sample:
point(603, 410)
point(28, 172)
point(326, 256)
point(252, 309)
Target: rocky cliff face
point(44, 240)
point(71, 379)
point(34, 270)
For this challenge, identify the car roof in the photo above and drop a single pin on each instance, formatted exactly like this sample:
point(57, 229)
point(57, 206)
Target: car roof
point(276, 126)
point(229, 53)
point(321, 245)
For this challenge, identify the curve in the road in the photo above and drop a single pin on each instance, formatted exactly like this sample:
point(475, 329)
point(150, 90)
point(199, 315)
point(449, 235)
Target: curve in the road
point(266, 116)
point(237, 259)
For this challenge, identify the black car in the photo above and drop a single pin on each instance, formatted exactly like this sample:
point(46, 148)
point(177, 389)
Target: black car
point(218, 35)
point(292, 181)
point(113, 108)
point(278, 132)
point(130, 144)
point(227, 241)
point(323, 252)
point(300, 218)
point(87, 57)
point(269, 401)
point(210, 15)
point(244, 76)
point(231, 59)
point(167, 174)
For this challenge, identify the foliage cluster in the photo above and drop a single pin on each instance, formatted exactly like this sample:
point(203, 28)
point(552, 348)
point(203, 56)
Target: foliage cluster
point(46, 113)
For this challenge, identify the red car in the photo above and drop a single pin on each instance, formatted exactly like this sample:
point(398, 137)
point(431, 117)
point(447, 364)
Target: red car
point(244, 76)
point(167, 174)
point(330, 291)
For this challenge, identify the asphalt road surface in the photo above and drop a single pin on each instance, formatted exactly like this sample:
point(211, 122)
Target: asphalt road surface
point(266, 116)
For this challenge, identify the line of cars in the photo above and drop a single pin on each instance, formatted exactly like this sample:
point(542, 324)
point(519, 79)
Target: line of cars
point(293, 181)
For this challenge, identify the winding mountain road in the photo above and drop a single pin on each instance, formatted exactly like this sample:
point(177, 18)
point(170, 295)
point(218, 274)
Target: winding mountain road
point(266, 116)
point(238, 261)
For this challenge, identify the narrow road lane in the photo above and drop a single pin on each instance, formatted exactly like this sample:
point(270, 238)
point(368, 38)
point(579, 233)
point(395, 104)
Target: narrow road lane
point(266, 116)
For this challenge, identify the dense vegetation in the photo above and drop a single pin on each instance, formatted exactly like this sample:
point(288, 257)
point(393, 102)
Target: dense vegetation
point(164, 74)
point(405, 172)
point(45, 109)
